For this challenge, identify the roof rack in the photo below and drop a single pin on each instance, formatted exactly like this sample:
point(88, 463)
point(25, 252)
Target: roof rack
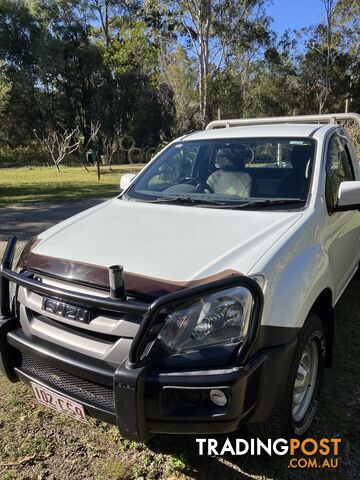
point(327, 118)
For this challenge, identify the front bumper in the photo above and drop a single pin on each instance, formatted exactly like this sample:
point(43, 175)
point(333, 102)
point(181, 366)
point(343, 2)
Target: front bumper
point(144, 400)
point(143, 396)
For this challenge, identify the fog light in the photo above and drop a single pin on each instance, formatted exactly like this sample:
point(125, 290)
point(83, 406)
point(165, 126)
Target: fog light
point(218, 397)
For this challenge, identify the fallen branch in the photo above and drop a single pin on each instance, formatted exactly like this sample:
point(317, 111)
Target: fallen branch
point(24, 460)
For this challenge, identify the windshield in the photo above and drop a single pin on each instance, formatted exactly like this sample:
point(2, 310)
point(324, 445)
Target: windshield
point(234, 173)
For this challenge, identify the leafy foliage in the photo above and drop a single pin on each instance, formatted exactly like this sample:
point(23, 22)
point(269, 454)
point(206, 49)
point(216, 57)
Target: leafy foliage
point(158, 69)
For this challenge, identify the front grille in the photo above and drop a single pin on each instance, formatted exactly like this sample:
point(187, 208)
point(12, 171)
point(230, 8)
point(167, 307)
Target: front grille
point(98, 336)
point(66, 383)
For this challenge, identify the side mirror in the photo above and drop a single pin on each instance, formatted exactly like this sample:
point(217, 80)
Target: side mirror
point(126, 180)
point(348, 196)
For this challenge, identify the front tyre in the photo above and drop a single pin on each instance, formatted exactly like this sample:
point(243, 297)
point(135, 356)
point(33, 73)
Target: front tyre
point(296, 408)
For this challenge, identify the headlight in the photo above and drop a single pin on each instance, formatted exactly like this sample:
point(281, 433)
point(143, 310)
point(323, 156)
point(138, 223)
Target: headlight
point(217, 319)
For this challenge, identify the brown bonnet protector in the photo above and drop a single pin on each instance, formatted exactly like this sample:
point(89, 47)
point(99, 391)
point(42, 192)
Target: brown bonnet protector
point(98, 276)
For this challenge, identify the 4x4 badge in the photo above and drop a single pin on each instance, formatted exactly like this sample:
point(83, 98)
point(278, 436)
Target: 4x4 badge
point(66, 310)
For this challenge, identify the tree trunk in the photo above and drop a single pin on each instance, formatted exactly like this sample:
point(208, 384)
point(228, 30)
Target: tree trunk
point(98, 158)
point(203, 27)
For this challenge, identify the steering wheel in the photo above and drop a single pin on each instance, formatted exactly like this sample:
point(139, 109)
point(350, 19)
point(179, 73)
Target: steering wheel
point(195, 182)
point(188, 181)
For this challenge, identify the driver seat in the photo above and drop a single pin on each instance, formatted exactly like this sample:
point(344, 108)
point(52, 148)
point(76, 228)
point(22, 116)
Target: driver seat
point(231, 183)
point(230, 178)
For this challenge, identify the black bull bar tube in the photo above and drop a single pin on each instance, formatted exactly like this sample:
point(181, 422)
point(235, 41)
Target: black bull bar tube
point(130, 376)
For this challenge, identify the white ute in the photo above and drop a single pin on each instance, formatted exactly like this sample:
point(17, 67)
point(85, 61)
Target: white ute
point(202, 298)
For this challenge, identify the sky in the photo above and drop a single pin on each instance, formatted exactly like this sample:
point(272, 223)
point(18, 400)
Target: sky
point(295, 13)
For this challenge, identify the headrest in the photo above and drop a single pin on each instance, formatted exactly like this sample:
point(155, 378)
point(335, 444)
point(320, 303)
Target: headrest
point(230, 159)
point(300, 156)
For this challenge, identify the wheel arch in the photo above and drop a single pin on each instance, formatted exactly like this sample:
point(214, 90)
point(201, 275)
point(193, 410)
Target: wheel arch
point(323, 307)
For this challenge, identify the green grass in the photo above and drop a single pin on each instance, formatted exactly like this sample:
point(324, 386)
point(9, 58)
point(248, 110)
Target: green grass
point(28, 185)
point(38, 444)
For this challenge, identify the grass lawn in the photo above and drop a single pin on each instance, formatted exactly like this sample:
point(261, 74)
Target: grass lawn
point(38, 444)
point(28, 185)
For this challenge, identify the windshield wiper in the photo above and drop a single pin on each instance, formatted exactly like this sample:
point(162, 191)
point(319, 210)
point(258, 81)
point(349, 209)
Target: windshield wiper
point(264, 203)
point(180, 200)
point(186, 201)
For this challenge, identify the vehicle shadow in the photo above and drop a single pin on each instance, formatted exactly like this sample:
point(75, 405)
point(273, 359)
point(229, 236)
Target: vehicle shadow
point(226, 467)
point(229, 467)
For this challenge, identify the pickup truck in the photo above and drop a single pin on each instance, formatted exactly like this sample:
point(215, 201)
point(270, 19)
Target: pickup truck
point(202, 298)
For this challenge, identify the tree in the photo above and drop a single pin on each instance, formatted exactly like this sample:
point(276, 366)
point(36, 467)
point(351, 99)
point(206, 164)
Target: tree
point(22, 40)
point(92, 137)
point(197, 20)
point(60, 144)
point(144, 67)
point(5, 91)
point(179, 73)
point(272, 86)
point(111, 145)
point(142, 98)
point(79, 63)
point(323, 85)
point(328, 66)
point(208, 30)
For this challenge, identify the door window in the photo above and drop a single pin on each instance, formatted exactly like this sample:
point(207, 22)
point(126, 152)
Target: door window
point(338, 168)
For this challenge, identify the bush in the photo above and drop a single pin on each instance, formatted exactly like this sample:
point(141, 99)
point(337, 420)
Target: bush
point(31, 156)
point(354, 130)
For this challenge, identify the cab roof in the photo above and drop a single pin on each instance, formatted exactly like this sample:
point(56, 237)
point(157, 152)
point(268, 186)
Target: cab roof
point(283, 130)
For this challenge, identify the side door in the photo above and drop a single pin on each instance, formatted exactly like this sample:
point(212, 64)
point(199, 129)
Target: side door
point(344, 248)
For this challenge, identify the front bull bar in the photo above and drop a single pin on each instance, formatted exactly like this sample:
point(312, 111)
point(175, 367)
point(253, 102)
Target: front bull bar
point(130, 376)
